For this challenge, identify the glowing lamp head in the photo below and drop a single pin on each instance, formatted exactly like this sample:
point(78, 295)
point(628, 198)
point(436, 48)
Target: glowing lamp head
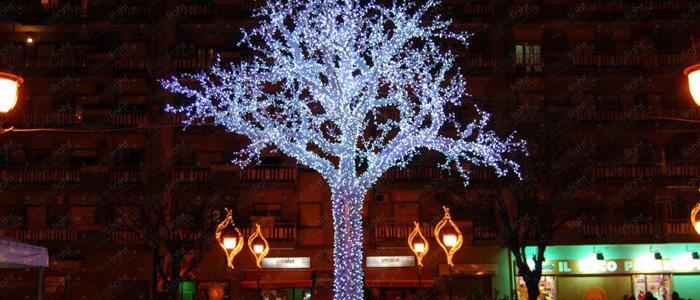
point(450, 240)
point(9, 91)
point(693, 73)
point(230, 243)
point(697, 226)
point(258, 248)
point(419, 247)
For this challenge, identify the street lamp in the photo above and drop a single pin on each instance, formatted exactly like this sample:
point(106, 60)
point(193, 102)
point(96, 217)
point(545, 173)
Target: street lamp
point(694, 220)
point(450, 241)
point(259, 248)
point(693, 73)
point(229, 237)
point(419, 245)
point(9, 91)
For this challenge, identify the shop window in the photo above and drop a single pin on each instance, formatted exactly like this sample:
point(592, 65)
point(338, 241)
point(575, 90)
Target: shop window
point(406, 212)
point(58, 216)
point(310, 214)
point(528, 58)
point(658, 285)
point(82, 216)
point(35, 216)
point(207, 158)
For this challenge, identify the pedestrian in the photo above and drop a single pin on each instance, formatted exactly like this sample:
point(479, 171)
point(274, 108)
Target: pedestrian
point(675, 296)
point(649, 296)
point(631, 297)
point(625, 297)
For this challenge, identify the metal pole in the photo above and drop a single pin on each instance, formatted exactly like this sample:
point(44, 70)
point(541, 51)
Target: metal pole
point(449, 282)
point(260, 296)
point(40, 292)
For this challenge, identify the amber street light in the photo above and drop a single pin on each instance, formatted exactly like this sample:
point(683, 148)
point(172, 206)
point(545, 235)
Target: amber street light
point(259, 248)
point(419, 246)
point(229, 237)
point(694, 217)
point(9, 91)
point(693, 74)
point(450, 242)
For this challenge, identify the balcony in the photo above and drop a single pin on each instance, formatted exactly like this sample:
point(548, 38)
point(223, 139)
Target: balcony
point(126, 175)
point(423, 172)
point(280, 233)
point(131, 119)
point(49, 120)
point(478, 63)
point(193, 175)
point(612, 172)
point(269, 174)
point(400, 232)
point(130, 65)
point(32, 175)
point(40, 235)
point(672, 230)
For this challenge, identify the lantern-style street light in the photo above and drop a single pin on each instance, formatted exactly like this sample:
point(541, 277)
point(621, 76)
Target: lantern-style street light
point(695, 218)
point(9, 91)
point(450, 241)
point(693, 74)
point(229, 237)
point(419, 246)
point(259, 248)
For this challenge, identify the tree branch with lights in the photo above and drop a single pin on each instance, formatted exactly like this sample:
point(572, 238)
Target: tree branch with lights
point(350, 89)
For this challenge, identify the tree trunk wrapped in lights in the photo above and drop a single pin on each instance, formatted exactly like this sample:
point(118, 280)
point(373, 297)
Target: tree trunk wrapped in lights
point(349, 88)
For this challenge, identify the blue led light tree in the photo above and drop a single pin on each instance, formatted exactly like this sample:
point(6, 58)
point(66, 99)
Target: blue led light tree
point(349, 88)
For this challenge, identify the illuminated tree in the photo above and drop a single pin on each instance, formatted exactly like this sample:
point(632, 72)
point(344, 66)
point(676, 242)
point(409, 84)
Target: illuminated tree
point(349, 88)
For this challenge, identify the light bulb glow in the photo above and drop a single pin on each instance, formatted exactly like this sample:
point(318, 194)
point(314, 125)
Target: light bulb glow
point(9, 91)
point(450, 240)
point(258, 248)
point(230, 243)
point(693, 73)
point(323, 74)
point(419, 247)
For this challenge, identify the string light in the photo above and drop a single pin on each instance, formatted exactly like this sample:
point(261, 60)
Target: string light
point(322, 73)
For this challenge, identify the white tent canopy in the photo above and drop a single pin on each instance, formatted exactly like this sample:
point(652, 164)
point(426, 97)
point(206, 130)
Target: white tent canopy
point(14, 254)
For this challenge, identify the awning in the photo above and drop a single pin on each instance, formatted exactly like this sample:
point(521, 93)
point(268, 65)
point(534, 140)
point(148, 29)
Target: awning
point(14, 254)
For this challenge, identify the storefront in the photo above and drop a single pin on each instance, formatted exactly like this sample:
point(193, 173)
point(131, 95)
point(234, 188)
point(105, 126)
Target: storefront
point(613, 271)
point(281, 278)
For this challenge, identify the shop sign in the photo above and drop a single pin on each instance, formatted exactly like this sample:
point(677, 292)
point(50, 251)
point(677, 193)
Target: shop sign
point(390, 261)
point(286, 263)
point(618, 266)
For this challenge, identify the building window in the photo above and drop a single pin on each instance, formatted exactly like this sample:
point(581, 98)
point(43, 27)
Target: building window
point(528, 57)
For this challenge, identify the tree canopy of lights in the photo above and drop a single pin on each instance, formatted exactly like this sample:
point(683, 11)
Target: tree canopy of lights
point(349, 88)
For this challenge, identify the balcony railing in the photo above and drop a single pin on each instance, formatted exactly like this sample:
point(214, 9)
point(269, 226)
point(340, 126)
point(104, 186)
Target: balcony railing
point(191, 175)
point(33, 120)
point(646, 171)
point(269, 173)
point(400, 232)
point(41, 235)
point(41, 174)
point(419, 173)
point(672, 229)
point(126, 175)
point(128, 119)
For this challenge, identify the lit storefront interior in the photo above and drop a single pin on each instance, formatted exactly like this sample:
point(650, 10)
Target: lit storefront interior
point(613, 271)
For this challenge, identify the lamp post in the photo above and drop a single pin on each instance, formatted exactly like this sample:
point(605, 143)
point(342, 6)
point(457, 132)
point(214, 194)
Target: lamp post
point(419, 246)
point(693, 74)
point(259, 248)
point(9, 93)
point(230, 239)
point(694, 220)
point(450, 242)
